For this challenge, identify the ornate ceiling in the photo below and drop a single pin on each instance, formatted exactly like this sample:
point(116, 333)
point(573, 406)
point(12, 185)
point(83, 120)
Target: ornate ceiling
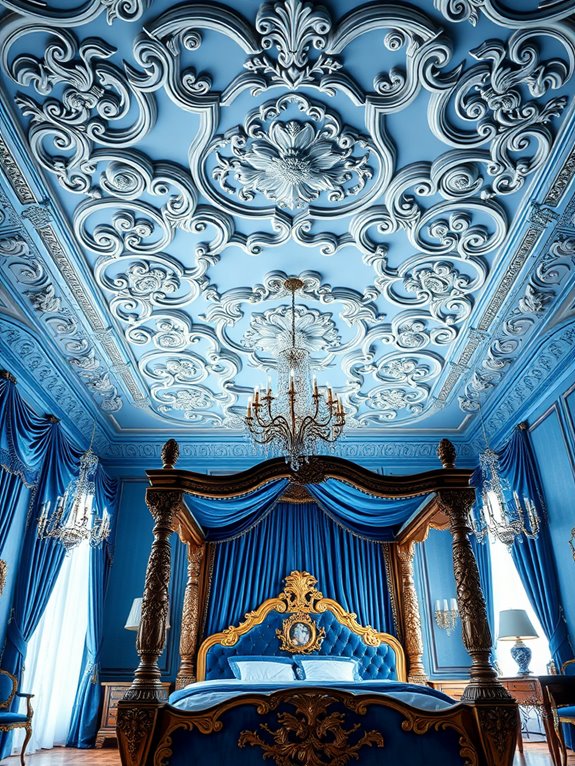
point(166, 167)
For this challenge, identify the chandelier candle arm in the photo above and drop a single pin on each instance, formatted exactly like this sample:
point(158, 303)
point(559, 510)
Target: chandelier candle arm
point(301, 415)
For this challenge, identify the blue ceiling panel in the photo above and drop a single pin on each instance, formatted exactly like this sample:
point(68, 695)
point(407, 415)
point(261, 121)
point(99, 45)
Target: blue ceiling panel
point(165, 167)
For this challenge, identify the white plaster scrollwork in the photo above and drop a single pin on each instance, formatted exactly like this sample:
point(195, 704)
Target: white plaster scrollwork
point(65, 130)
point(501, 13)
point(125, 10)
point(489, 100)
point(317, 164)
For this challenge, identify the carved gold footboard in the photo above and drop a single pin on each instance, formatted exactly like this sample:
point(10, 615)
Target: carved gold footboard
point(315, 727)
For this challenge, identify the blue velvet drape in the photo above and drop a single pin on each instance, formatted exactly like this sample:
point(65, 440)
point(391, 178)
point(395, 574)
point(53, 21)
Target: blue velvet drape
point(370, 517)
point(35, 450)
point(85, 715)
point(11, 486)
point(534, 558)
point(225, 519)
point(22, 434)
point(251, 568)
point(41, 560)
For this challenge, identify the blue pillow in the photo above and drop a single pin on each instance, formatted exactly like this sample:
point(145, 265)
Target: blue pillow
point(262, 669)
point(325, 668)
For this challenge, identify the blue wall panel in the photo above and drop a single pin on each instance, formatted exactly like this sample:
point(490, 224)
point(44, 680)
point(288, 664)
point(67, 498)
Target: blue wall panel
point(444, 656)
point(551, 445)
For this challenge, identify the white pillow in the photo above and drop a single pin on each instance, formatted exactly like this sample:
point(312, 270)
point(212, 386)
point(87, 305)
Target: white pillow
point(262, 668)
point(328, 668)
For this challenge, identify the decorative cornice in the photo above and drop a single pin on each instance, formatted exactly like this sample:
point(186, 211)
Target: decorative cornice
point(14, 174)
point(561, 182)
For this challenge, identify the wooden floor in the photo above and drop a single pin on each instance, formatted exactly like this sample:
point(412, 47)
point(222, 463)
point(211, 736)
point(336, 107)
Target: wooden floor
point(535, 755)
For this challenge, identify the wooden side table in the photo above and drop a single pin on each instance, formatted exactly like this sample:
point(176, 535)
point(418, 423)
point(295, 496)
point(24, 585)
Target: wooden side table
point(113, 692)
point(526, 690)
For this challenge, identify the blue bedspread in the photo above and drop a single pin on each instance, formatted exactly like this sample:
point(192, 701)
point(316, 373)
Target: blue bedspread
point(205, 694)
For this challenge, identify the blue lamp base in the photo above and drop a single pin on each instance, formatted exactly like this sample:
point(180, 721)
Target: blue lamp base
point(522, 656)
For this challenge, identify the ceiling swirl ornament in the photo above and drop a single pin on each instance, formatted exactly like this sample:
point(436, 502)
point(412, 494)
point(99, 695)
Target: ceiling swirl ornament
point(183, 139)
point(502, 13)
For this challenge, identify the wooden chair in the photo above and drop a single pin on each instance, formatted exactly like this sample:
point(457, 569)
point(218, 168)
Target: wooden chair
point(558, 708)
point(8, 719)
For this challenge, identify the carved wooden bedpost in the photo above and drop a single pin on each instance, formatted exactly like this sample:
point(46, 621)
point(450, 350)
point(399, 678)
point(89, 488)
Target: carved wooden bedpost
point(494, 706)
point(191, 614)
point(138, 710)
point(411, 614)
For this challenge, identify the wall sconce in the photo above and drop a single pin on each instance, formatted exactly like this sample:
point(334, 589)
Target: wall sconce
point(572, 542)
point(446, 614)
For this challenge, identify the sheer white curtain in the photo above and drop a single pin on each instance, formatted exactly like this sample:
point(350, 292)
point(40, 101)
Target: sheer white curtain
point(54, 654)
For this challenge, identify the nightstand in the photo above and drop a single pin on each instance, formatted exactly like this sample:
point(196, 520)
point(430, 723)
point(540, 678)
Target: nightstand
point(113, 692)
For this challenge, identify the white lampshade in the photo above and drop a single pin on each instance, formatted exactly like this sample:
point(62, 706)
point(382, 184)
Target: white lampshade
point(135, 616)
point(515, 624)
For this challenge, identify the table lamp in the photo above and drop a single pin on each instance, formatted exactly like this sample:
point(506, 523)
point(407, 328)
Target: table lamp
point(135, 616)
point(515, 625)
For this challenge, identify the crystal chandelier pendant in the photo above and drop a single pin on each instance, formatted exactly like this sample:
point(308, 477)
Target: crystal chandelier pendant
point(73, 520)
point(502, 514)
point(299, 416)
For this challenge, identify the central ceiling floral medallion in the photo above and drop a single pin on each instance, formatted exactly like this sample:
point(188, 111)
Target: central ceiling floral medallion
point(293, 162)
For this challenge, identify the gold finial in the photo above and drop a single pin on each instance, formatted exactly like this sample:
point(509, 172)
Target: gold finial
point(52, 418)
point(8, 376)
point(170, 454)
point(446, 453)
point(523, 426)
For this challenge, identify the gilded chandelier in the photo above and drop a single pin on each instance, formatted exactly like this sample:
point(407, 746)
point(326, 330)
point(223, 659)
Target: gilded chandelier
point(72, 525)
point(300, 416)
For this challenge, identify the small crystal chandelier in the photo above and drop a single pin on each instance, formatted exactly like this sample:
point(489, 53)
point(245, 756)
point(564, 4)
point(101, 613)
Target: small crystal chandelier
point(300, 416)
point(497, 515)
point(72, 525)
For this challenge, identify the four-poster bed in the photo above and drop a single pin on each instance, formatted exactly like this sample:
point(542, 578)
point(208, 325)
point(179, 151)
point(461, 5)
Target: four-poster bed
point(306, 721)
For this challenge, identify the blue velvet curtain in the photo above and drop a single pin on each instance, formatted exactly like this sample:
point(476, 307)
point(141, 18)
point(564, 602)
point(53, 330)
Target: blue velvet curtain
point(534, 558)
point(34, 450)
point(21, 434)
point(11, 486)
point(85, 715)
point(225, 519)
point(370, 517)
point(251, 568)
point(41, 560)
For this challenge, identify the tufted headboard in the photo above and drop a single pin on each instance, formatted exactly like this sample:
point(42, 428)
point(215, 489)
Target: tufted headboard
point(301, 621)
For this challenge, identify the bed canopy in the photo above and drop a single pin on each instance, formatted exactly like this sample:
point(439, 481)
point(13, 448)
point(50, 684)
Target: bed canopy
point(203, 509)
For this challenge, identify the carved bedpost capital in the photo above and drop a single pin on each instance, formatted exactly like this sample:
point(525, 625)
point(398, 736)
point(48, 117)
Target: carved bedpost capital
point(170, 454)
point(484, 685)
point(163, 505)
point(446, 453)
point(411, 615)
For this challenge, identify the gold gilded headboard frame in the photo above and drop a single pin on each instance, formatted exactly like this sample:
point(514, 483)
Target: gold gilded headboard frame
point(300, 595)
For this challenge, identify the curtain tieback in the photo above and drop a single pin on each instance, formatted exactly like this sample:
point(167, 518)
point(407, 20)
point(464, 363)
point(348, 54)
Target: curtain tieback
point(559, 637)
point(16, 638)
